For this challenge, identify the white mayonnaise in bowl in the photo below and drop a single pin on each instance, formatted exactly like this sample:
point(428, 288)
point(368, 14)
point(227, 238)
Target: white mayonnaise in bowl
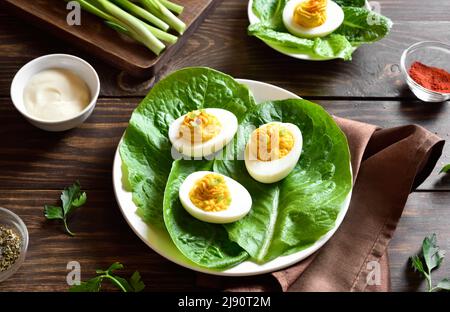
point(64, 62)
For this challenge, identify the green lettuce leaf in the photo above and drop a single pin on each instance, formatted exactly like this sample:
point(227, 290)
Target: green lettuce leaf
point(205, 244)
point(363, 26)
point(330, 46)
point(146, 149)
point(280, 38)
point(270, 12)
point(351, 3)
point(292, 214)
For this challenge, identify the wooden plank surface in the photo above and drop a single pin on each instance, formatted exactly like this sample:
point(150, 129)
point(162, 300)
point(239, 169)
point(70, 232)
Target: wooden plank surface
point(36, 165)
point(221, 42)
point(102, 237)
point(424, 214)
point(94, 36)
point(99, 223)
point(86, 153)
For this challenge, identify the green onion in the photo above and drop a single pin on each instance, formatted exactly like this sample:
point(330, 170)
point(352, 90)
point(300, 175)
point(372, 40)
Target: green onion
point(171, 39)
point(91, 8)
point(117, 25)
point(172, 6)
point(144, 14)
point(133, 25)
point(156, 8)
point(161, 35)
point(119, 28)
point(155, 12)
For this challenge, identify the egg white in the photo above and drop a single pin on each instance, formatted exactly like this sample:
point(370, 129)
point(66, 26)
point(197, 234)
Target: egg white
point(275, 170)
point(241, 201)
point(229, 128)
point(335, 17)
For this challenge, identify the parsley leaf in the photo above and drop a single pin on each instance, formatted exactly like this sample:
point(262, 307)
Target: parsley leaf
point(53, 212)
point(134, 284)
point(445, 169)
point(72, 197)
point(92, 285)
point(432, 255)
point(443, 285)
point(428, 259)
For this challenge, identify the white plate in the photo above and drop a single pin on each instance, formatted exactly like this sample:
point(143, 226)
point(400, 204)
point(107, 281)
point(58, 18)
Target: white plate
point(254, 19)
point(161, 242)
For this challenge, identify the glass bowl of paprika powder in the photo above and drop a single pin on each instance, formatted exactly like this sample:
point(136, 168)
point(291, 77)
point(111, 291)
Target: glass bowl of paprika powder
point(426, 67)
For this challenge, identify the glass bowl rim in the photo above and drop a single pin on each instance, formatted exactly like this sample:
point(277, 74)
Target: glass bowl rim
point(23, 231)
point(419, 45)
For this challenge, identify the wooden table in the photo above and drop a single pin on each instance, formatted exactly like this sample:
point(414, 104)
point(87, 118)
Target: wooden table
point(36, 165)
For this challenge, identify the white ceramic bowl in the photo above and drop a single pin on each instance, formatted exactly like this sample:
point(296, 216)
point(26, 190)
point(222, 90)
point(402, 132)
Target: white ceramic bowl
point(76, 65)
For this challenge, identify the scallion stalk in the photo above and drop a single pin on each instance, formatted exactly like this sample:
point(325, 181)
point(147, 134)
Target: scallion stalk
point(91, 8)
point(117, 25)
point(155, 7)
point(161, 35)
point(171, 39)
point(144, 14)
point(176, 8)
point(134, 25)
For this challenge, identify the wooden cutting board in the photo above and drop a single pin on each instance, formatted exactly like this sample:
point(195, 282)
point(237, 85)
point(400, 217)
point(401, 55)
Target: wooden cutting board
point(96, 38)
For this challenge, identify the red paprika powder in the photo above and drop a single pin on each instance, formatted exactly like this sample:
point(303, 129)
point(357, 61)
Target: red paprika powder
point(432, 78)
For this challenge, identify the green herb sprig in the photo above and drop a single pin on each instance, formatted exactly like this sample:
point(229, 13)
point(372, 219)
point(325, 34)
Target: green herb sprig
point(445, 169)
point(72, 198)
point(134, 284)
point(428, 259)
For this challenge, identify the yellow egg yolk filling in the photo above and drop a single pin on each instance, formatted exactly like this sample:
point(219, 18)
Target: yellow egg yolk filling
point(211, 193)
point(311, 13)
point(199, 126)
point(273, 141)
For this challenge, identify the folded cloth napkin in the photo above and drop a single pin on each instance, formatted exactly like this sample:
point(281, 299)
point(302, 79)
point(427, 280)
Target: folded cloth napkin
point(387, 165)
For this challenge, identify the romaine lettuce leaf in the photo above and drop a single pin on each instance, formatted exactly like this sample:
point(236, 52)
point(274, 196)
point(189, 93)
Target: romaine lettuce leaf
point(363, 26)
point(334, 45)
point(351, 3)
point(270, 12)
point(292, 214)
point(146, 149)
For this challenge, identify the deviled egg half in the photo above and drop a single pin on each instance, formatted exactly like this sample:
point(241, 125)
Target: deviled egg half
point(214, 198)
point(312, 18)
point(203, 132)
point(272, 151)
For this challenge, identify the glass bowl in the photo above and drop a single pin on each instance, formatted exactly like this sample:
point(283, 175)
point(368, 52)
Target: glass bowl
point(10, 220)
point(430, 53)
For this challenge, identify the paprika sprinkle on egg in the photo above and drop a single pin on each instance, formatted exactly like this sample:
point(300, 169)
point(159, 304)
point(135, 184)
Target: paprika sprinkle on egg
point(432, 78)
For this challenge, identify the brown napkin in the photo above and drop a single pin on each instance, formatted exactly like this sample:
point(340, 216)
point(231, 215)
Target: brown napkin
point(387, 165)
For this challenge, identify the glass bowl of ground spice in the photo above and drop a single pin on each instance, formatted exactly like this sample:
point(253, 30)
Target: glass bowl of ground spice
point(13, 243)
point(426, 67)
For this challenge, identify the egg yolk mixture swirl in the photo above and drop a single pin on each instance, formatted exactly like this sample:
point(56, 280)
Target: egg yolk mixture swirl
point(211, 193)
point(273, 141)
point(199, 126)
point(311, 13)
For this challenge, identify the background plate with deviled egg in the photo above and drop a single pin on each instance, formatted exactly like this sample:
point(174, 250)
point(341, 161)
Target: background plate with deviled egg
point(347, 25)
point(288, 220)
